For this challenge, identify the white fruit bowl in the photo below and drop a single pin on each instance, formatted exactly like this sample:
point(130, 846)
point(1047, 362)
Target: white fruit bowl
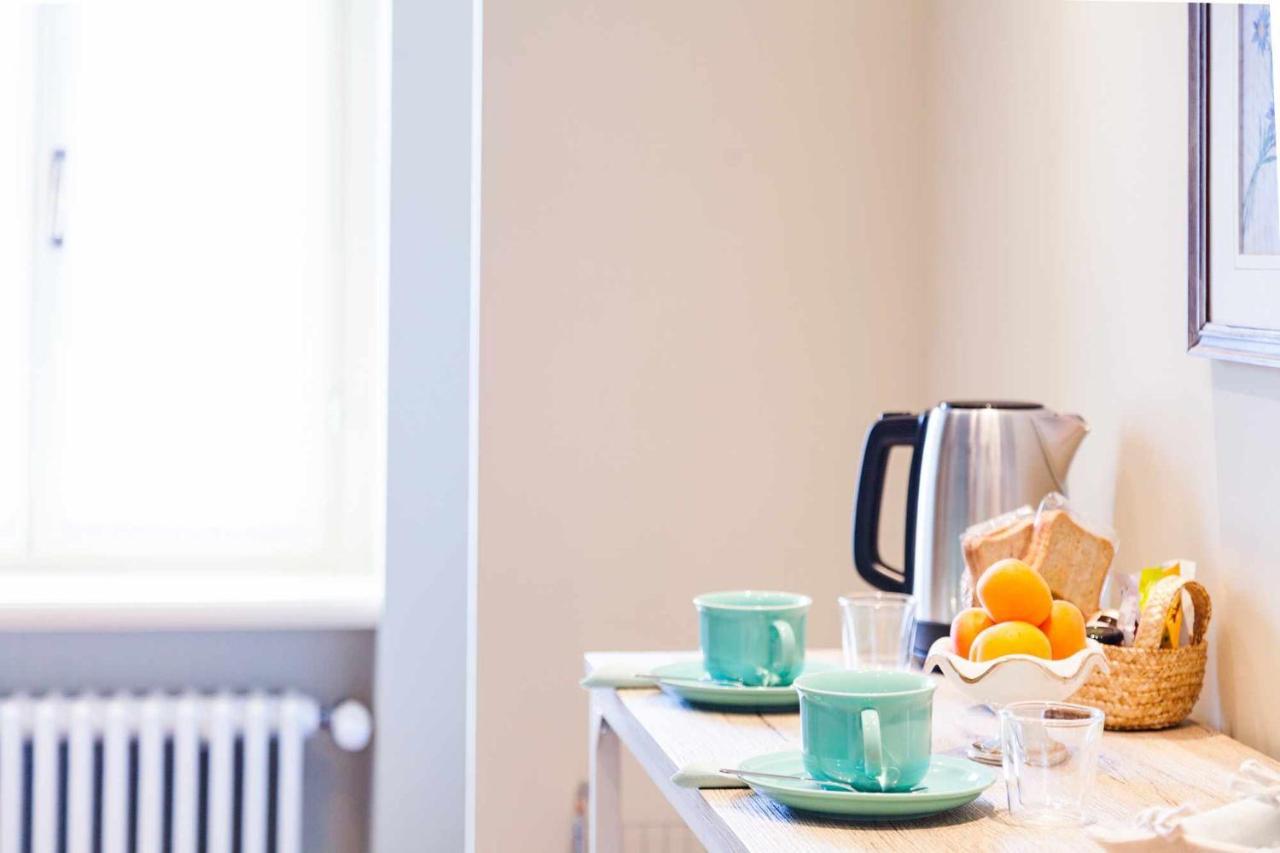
point(1016, 678)
point(1013, 678)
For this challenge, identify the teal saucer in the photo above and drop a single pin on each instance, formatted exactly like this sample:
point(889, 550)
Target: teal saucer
point(950, 783)
point(690, 682)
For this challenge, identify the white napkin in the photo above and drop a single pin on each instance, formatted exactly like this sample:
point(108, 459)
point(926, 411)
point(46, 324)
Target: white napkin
point(698, 775)
point(1250, 823)
point(619, 675)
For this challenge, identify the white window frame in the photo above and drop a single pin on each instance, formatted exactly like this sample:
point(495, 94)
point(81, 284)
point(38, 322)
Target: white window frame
point(343, 592)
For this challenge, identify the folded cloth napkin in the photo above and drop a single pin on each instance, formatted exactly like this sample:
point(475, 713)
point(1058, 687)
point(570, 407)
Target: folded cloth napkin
point(1250, 823)
point(621, 675)
point(698, 775)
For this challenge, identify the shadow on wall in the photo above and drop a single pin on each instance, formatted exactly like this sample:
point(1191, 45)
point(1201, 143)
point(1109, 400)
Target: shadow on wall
point(1245, 379)
point(1224, 518)
point(1246, 421)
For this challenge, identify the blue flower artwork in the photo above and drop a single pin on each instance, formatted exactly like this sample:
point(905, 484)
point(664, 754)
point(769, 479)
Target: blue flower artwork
point(1259, 197)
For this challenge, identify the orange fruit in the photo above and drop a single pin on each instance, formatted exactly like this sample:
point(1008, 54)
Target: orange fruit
point(1012, 591)
point(968, 624)
point(1065, 629)
point(1010, 638)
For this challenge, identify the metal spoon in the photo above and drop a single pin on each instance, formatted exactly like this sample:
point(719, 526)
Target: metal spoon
point(716, 682)
point(742, 774)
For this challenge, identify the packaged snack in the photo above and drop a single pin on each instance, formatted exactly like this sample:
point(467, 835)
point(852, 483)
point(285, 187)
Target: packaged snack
point(1129, 609)
point(1147, 578)
point(1072, 556)
point(987, 542)
point(1105, 629)
point(1187, 569)
point(1174, 633)
point(1135, 590)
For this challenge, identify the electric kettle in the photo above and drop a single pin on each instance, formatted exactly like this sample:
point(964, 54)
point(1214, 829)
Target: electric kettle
point(970, 461)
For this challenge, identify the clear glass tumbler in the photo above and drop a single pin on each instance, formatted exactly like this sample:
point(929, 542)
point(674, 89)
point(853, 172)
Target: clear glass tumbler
point(1050, 755)
point(878, 627)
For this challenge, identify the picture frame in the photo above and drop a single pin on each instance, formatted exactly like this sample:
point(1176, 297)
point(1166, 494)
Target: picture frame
point(1233, 263)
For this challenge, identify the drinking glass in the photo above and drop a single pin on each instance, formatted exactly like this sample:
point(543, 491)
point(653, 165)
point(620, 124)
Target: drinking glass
point(877, 630)
point(1050, 758)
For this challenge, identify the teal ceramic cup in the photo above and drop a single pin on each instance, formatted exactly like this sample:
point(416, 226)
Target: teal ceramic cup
point(754, 638)
point(870, 729)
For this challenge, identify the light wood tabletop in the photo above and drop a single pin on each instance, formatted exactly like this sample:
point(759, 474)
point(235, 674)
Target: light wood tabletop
point(1188, 764)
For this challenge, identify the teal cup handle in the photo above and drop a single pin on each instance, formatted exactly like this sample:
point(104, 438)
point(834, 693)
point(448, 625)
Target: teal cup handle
point(788, 659)
point(873, 754)
point(753, 637)
point(885, 775)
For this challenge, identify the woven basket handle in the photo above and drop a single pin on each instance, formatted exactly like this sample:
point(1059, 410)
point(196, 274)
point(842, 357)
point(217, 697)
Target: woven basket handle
point(1164, 595)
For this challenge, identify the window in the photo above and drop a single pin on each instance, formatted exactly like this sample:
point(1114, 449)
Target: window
point(191, 299)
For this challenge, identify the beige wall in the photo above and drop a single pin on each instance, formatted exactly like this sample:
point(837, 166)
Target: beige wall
point(720, 236)
point(1059, 273)
point(701, 246)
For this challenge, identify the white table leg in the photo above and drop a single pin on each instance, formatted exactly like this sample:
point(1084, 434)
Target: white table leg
point(604, 806)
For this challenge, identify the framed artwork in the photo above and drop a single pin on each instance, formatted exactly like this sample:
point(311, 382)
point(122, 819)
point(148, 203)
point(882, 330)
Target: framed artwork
point(1234, 205)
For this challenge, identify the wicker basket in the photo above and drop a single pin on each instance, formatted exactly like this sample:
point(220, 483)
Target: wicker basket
point(1150, 687)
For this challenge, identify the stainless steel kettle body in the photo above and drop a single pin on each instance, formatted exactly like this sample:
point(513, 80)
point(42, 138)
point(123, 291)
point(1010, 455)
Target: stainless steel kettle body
point(970, 461)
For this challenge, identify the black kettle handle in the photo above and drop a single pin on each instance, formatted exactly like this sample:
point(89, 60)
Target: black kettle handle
point(892, 430)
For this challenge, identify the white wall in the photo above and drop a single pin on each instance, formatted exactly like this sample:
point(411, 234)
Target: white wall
point(1060, 274)
point(702, 248)
point(422, 785)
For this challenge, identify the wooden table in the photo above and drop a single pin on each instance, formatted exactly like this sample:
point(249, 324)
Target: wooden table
point(1188, 764)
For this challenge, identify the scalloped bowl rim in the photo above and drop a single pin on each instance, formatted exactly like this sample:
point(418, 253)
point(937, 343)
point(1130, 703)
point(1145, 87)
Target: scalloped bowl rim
point(975, 671)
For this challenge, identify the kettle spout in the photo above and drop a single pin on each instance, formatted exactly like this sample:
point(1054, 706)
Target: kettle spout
point(1060, 437)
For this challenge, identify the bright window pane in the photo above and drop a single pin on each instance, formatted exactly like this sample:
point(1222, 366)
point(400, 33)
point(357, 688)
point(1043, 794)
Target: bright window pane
point(190, 344)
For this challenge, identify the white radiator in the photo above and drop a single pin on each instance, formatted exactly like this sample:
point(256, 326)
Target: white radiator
point(157, 773)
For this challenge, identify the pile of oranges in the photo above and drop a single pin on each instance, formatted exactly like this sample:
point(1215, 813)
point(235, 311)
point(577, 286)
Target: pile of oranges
point(1018, 616)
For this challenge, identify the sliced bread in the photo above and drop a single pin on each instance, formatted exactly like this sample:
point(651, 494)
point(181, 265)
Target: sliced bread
point(1071, 558)
point(981, 550)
